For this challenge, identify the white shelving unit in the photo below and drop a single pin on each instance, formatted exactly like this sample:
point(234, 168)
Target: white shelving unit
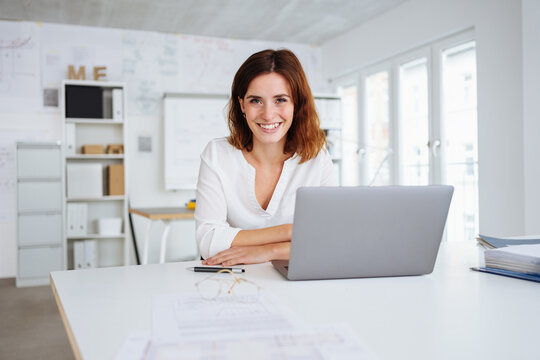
point(108, 249)
point(329, 110)
point(40, 241)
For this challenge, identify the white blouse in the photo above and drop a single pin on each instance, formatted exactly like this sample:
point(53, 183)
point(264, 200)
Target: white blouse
point(226, 201)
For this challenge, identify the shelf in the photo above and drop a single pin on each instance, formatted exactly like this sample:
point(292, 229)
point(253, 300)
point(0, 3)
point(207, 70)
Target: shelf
point(95, 157)
point(102, 84)
point(84, 210)
point(196, 95)
point(96, 236)
point(93, 121)
point(102, 198)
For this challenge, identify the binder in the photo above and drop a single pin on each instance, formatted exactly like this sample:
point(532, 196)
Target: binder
point(517, 275)
point(84, 102)
point(70, 139)
point(77, 214)
point(116, 179)
point(90, 254)
point(117, 104)
point(78, 255)
point(107, 104)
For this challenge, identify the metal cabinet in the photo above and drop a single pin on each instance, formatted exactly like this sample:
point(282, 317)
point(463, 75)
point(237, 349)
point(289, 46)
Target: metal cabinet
point(40, 239)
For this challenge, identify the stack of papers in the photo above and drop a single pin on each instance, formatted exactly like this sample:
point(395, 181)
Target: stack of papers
point(518, 258)
point(492, 242)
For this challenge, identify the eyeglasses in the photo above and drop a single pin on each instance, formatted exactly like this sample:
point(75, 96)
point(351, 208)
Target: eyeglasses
point(214, 286)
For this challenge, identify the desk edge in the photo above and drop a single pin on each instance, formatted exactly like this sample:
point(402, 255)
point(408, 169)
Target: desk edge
point(71, 337)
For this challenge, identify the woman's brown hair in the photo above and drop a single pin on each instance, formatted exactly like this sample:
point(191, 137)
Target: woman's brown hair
point(305, 136)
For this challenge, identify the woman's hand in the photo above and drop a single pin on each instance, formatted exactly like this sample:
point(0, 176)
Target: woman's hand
point(252, 254)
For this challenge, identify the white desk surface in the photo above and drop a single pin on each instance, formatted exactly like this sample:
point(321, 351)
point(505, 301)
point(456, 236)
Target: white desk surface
point(453, 313)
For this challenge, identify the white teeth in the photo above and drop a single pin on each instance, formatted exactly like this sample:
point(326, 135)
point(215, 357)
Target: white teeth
point(270, 126)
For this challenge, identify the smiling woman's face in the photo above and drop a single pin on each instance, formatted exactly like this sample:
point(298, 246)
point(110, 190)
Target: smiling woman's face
point(269, 108)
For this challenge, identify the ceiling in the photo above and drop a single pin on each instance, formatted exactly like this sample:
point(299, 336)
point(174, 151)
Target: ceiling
point(298, 21)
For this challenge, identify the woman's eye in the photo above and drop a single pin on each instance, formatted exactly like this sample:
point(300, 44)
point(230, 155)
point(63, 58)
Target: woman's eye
point(281, 100)
point(255, 101)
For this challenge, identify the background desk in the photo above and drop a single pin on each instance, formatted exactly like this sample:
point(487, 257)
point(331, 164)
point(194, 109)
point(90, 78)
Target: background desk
point(453, 313)
point(165, 214)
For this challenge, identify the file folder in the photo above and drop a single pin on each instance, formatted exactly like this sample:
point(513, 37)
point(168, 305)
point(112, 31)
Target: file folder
point(78, 255)
point(517, 275)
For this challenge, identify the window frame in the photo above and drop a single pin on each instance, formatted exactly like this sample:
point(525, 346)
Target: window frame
point(362, 122)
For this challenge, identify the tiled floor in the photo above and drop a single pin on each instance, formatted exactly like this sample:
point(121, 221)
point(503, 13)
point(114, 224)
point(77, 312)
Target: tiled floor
point(30, 324)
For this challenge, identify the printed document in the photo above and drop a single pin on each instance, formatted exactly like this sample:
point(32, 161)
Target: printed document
point(325, 343)
point(232, 328)
point(176, 317)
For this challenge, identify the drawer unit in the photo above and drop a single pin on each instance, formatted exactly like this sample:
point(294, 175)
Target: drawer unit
point(40, 213)
point(35, 162)
point(40, 229)
point(38, 262)
point(39, 196)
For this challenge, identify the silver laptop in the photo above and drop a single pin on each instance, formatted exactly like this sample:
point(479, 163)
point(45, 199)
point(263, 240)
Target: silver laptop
point(351, 232)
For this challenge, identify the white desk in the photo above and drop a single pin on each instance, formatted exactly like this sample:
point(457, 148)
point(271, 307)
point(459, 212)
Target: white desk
point(454, 313)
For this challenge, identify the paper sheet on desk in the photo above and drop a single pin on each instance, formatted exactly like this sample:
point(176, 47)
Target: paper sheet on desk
point(189, 327)
point(329, 342)
point(326, 343)
point(135, 347)
point(177, 317)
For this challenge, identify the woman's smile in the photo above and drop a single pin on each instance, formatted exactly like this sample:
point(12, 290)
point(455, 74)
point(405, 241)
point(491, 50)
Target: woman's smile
point(270, 127)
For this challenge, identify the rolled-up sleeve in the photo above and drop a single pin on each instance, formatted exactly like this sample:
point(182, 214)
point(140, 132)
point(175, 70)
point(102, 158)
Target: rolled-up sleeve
point(213, 232)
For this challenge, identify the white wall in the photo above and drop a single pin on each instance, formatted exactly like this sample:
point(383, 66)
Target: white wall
point(531, 113)
point(497, 27)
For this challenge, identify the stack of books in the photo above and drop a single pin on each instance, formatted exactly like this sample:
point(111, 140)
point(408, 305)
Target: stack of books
point(514, 257)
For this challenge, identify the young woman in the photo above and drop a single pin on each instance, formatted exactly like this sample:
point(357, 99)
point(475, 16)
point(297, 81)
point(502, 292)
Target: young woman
point(248, 181)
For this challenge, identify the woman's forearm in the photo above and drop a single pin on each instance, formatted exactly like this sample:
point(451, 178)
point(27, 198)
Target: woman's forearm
point(281, 251)
point(251, 254)
point(269, 235)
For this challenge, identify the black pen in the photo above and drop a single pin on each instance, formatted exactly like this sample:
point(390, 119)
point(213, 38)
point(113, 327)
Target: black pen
point(215, 269)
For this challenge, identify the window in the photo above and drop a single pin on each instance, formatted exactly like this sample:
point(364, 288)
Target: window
point(459, 123)
point(413, 123)
point(376, 152)
point(417, 125)
point(350, 169)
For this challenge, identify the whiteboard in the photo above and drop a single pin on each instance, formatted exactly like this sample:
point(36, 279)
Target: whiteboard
point(190, 122)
